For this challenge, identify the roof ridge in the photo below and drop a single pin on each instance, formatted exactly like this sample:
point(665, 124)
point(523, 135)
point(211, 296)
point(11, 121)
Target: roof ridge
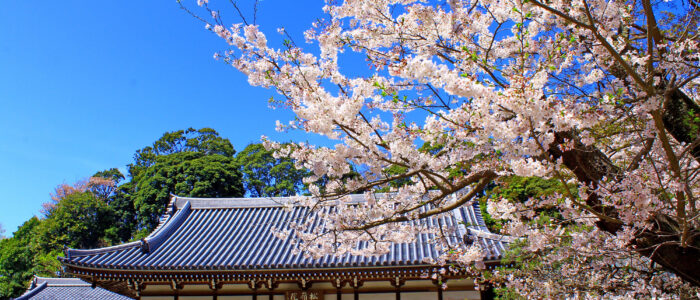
point(259, 202)
point(170, 210)
point(491, 235)
point(245, 202)
point(36, 277)
point(30, 293)
point(151, 242)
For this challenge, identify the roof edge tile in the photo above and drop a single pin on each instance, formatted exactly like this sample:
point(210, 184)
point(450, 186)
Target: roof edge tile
point(30, 293)
point(213, 203)
point(70, 253)
point(149, 243)
point(152, 242)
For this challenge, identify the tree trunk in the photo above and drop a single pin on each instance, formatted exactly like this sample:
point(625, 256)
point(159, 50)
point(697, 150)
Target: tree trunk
point(682, 119)
point(661, 243)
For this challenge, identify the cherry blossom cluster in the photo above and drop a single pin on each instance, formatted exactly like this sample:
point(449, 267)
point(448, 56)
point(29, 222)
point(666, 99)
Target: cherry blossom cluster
point(465, 92)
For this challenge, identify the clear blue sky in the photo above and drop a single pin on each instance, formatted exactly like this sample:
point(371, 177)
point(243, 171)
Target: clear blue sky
point(83, 84)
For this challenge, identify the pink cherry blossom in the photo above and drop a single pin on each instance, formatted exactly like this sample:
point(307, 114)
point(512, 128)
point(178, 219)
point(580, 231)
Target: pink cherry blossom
point(579, 92)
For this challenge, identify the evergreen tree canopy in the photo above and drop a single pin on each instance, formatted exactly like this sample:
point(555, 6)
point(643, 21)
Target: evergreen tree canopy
point(78, 221)
point(205, 140)
point(16, 260)
point(268, 176)
point(191, 174)
point(191, 162)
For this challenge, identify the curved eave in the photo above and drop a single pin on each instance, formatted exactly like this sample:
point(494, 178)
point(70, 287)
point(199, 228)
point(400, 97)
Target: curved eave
point(490, 260)
point(275, 272)
point(205, 234)
point(151, 242)
point(317, 274)
point(303, 267)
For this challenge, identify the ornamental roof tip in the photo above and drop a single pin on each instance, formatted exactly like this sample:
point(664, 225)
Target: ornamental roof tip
point(237, 234)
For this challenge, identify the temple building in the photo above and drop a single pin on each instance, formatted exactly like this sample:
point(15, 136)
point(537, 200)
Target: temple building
point(224, 248)
point(42, 288)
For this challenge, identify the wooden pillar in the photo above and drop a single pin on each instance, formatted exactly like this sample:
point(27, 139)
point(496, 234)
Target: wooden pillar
point(136, 287)
point(439, 282)
point(215, 286)
point(338, 285)
point(176, 288)
point(271, 285)
point(397, 283)
point(356, 284)
point(253, 286)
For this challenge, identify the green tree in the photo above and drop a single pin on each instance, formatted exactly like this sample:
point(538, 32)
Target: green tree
point(79, 221)
point(104, 183)
point(97, 211)
point(17, 260)
point(205, 140)
point(267, 176)
point(191, 174)
point(518, 189)
point(191, 162)
point(112, 174)
point(124, 212)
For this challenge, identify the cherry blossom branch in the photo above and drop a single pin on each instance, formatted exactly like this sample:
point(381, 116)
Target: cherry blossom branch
point(482, 179)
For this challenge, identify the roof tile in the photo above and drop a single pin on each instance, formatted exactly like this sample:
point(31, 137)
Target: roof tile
point(236, 233)
point(43, 288)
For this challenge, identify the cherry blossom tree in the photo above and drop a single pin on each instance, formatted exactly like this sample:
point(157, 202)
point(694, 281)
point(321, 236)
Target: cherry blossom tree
point(101, 187)
point(598, 95)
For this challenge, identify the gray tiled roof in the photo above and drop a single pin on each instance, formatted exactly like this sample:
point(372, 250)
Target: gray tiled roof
point(235, 234)
point(66, 288)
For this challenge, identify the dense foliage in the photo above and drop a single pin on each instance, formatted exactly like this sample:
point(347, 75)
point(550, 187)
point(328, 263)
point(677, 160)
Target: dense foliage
point(17, 260)
point(597, 95)
point(110, 208)
point(79, 220)
point(267, 175)
point(189, 163)
point(189, 174)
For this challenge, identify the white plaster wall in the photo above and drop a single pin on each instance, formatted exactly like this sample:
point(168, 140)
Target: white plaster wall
point(247, 297)
point(377, 296)
point(260, 297)
point(460, 295)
